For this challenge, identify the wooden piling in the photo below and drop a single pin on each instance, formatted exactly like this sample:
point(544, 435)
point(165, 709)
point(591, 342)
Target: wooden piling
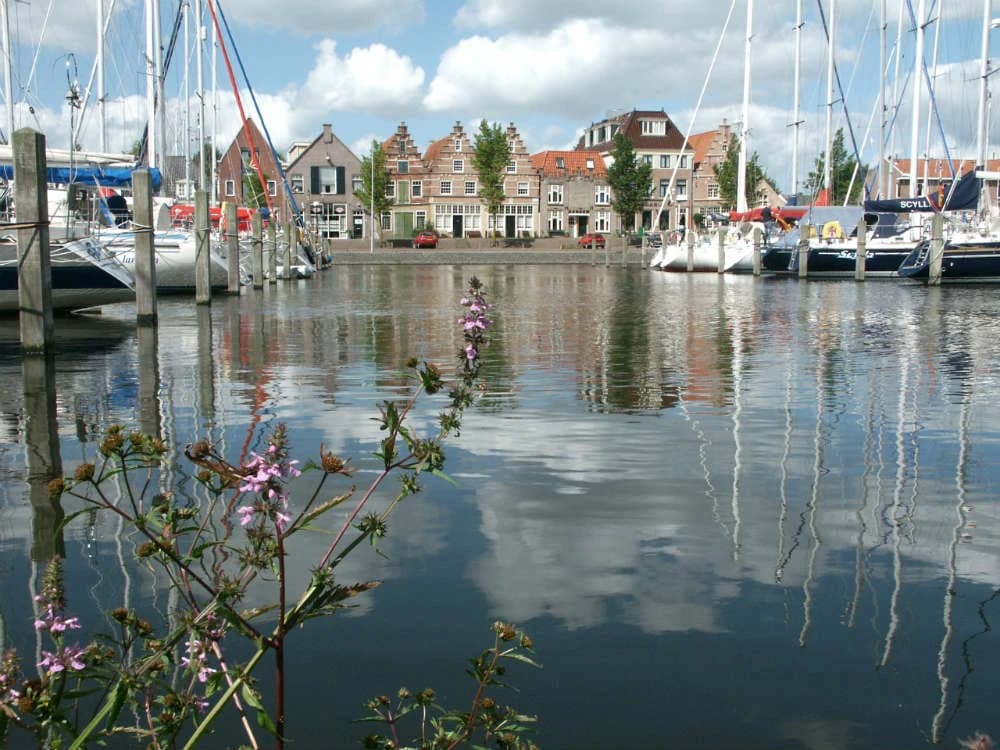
point(803, 256)
point(149, 380)
point(232, 249)
point(290, 240)
point(757, 251)
point(861, 257)
point(690, 244)
point(272, 252)
point(145, 247)
point(44, 461)
point(937, 250)
point(206, 366)
point(203, 250)
point(722, 251)
point(257, 251)
point(34, 274)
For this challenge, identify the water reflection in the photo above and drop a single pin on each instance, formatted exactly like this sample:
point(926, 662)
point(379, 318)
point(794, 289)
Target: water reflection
point(43, 459)
point(737, 481)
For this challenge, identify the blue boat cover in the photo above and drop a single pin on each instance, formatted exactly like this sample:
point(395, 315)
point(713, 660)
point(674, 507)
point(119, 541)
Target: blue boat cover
point(114, 177)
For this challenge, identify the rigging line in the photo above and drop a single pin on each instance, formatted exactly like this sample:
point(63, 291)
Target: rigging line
point(171, 45)
point(296, 211)
point(38, 49)
point(93, 74)
point(254, 158)
point(697, 107)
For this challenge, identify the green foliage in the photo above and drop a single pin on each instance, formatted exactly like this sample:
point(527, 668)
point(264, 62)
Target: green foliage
point(162, 682)
point(373, 168)
point(631, 180)
point(491, 154)
point(843, 171)
point(210, 155)
point(727, 175)
point(253, 190)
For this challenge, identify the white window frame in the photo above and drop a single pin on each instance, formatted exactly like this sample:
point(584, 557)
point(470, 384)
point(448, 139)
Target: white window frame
point(416, 189)
point(684, 162)
point(522, 189)
point(390, 189)
point(458, 145)
point(602, 195)
point(272, 188)
point(556, 221)
point(681, 189)
point(712, 192)
point(664, 161)
point(458, 166)
point(556, 193)
point(230, 188)
point(602, 221)
point(445, 187)
point(470, 187)
point(511, 167)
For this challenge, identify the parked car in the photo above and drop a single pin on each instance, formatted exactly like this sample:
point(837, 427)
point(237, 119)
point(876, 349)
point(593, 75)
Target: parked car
point(425, 239)
point(592, 238)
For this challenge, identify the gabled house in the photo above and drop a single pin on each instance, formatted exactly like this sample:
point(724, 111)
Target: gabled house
point(659, 143)
point(237, 175)
point(453, 185)
point(408, 185)
point(323, 178)
point(575, 198)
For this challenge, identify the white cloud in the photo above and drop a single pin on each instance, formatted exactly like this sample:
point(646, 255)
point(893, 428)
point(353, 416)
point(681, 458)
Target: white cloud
point(373, 79)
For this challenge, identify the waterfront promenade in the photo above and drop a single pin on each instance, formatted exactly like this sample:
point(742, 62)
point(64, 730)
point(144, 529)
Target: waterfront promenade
point(465, 251)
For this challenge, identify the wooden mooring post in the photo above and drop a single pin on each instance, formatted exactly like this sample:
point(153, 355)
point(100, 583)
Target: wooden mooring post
point(44, 461)
point(690, 247)
point(937, 250)
point(232, 237)
point(257, 251)
point(861, 256)
point(272, 252)
point(290, 237)
point(803, 256)
point(145, 247)
point(758, 250)
point(34, 279)
point(722, 251)
point(203, 250)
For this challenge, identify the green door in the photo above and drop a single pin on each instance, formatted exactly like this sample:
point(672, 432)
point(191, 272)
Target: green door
point(403, 192)
point(404, 224)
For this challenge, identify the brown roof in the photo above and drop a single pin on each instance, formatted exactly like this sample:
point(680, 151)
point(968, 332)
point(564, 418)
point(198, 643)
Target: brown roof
point(573, 162)
point(939, 167)
point(701, 142)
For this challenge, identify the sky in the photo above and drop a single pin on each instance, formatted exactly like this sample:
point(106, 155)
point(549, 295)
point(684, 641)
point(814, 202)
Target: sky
point(550, 67)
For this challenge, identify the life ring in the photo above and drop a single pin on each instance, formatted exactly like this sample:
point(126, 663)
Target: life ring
point(833, 231)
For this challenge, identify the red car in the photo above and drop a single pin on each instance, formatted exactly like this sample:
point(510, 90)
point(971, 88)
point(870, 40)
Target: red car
point(592, 238)
point(425, 239)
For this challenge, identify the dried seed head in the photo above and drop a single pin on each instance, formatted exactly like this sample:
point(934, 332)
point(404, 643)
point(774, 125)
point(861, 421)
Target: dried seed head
point(84, 472)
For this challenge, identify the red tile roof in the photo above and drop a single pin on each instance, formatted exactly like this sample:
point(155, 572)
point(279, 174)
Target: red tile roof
point(573, 163)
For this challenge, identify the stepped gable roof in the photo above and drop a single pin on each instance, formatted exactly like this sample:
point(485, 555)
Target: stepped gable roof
point(401, 144)
point(701, 143)
point(568, 163)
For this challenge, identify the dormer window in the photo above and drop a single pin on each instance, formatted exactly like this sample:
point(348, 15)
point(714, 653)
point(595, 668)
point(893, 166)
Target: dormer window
point(560, 163)
point(590, 163)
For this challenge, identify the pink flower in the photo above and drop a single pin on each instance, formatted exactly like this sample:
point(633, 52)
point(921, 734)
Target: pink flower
point(71, 657)
point(246, 514)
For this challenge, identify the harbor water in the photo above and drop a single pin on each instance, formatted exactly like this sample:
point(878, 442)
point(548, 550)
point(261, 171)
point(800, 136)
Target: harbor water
point(731, 512)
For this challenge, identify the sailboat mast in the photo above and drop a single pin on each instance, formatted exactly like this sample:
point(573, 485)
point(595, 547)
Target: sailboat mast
point(883, 170)
point(741, 177)
point(918, 62)
point(984, 71)
point(199, 65)
point(830, 88)
point(186, 139)
point(796, 105)
point(101, 103)
point(161, 102)
point(151, 154)
point(8, 87)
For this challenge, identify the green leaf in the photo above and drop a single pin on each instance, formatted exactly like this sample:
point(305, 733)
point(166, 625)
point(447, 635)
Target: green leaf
point(265, 721)
point(251, 697)
point(441, 475)
point(523, 658)
point(118, 700)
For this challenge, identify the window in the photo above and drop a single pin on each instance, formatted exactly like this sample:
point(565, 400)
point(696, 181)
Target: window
point(420, 217)
point(325, 180)
point(272, 188)
point(356, 183)
point(684, 162)
point(555, 221)
point(458, 145)
point(445, 187)
point(664, 185)
point(560, 163)
point(602, 196)
point(664, 161)
point(230, 187)
point(390, 189)
point(470, 187)
point(647, 159)
point(682, 214)
point(590, 163)
point(602, 221)
point(602, 134)
point(682, 189)
point(713, 191)
point(458, 165)
point(555, 193)
point(298, 184)
point(387, 221)
point(522, 189)
point(417, 189)
point(403, 167)
point(512, 166)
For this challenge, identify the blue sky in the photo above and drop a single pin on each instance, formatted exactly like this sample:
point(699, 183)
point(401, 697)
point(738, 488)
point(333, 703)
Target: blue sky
point(550, 67)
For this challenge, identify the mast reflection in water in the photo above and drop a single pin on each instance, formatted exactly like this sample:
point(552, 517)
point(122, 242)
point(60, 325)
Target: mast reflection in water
point(753, 513)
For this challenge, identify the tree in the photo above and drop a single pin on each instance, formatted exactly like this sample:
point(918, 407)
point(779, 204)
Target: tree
point(253, 191)
point(211, 155)
point(490, 157)
point(843, 172)
point(373, 169)
point(727, 175)
point(631, 180)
